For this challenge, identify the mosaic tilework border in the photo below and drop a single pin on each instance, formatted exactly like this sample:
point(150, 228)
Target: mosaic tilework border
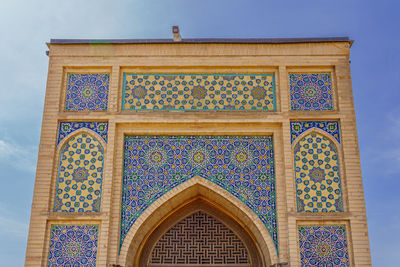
point(67, 127)
point(203, 92)
point(243, 166)
point(330, 127)
point(323, 245)
point(73, 245)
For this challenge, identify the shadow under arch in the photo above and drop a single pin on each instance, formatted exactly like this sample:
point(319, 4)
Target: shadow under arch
point(181, 196)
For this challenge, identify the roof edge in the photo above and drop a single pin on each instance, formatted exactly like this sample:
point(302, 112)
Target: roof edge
point(204, 41)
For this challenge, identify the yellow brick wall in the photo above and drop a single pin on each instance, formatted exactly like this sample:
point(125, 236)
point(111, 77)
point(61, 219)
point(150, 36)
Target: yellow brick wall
point(279, 59)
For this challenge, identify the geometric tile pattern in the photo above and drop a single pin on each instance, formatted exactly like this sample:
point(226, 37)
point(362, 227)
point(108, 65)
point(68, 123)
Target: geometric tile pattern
point(199, 239)
point(67, 127)
point(242, 165)
point(198, 92)
point(73, 245)
point(318, 187)
point(80, 175)
point(324, 245)
point(299, 127)
point(310, 91)
point(88, 92)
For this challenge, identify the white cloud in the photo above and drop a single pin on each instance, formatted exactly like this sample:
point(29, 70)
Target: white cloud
point(9, 226)
point(18, 229)
point(17, 156)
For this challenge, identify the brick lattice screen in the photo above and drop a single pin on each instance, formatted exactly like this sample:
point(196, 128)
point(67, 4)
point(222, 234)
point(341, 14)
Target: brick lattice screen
point(199, 239)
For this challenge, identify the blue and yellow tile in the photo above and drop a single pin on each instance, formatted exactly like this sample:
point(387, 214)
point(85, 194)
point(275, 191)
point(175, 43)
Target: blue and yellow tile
point(198, 92)
point(242, 165)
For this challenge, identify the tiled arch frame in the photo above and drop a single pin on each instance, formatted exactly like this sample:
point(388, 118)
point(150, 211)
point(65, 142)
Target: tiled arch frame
point(57, 162)
point(338, 147)
point(119, 254)
point(180, 196)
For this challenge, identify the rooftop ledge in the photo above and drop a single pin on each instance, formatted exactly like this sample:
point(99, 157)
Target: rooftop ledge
point(204, 41)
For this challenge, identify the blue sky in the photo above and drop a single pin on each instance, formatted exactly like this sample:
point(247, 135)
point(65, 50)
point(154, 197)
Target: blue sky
point(25, 26)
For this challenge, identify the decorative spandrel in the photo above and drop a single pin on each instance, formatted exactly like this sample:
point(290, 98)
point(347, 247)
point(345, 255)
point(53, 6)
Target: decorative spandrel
point(330, 127)
point(198, 92)
point(242, 165)
point(67, 127)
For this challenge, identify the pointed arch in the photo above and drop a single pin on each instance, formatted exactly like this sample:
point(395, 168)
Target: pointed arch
point(319, 131)
point(198, 233)
point(316, 159)
point(330, 127)
point(80, 172)
point(178, 197)
point(78, 131)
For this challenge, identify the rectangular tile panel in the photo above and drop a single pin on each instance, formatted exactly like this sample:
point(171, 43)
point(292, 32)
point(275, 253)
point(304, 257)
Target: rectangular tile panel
point(198, 92)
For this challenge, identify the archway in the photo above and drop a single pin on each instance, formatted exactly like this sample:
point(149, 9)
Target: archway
point(199, 234)
point(167, 210)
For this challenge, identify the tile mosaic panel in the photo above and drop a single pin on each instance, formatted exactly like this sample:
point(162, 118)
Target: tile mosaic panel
point(80, 175)
point(311, 91)
point(67, 127)
point(323, 246)
point(87, 92)
point(299, 127)
point(198, 92)
point(73, 245)
point(318, 186)
point(244, 166)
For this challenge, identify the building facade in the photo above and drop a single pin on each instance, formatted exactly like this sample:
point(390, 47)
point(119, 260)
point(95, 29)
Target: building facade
point(199, 152)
